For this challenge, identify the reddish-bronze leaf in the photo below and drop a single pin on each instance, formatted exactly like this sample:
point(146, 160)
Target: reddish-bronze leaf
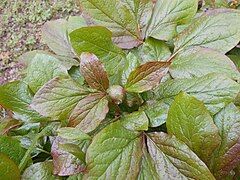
point(89, 112)
point(173, 159)
point(93, 72)
point(227, 157)
point(146, 76)
point(64, 163)
point(231, 159)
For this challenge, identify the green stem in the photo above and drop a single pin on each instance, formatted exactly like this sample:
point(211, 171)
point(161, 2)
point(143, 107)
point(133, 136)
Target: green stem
point(27, 155)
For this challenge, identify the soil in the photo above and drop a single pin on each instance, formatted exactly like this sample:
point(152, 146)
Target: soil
point(20, 30)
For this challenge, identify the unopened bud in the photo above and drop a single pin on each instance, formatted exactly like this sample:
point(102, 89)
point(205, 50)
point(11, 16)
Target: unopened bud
point(116, 93)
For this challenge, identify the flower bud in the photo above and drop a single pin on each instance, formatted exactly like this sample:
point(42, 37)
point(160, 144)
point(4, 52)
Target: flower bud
point(116, 93)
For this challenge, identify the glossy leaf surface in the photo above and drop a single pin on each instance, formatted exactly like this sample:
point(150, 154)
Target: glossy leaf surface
point(122, 21)
point(175, 160)
point(8, 169)
point(167, 15)
point(227, 155)
point(217, 29)
point(42, 69)
point(189, 120)
point(146, 76)
point(17, 97)
point(97, 40)
point(93, 72)
point(198, 61)
point(214, 90)
point(42, 170)
point(58, 97)
point(89, 112)
point(114, 143)
point(12, 148)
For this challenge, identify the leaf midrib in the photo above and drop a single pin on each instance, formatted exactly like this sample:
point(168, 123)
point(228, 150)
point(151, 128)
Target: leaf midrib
point(122, 26)
point(120, 153)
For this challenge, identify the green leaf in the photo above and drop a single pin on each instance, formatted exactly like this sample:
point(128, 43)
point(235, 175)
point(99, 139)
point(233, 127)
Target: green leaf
point(89, 112)
point(216, 91)
point(75, 22)
point(93, 72)
point(141, 10)
point(154, 50)
point(114, 143)
point(42, 69)
point(58, 97)
point(46, 131)
point(97, 40)
point(237, 100)
point(136, 121)
point(227, 156)
point(6, 124)
point(72, 134)
point(8, 169)
point(75, 74)
point(148, 170)
point(132, 101)
point(146, 76)
point(198, 61)
point(68, 62)
point(27, 128)
point(157, 111)
point(235, 59)
point(237, 172)
point(175, 160)
point(217, 29)
point(16, 96)
point(74, 150)
point(41, 170)
point(182, 27)
point(167, 15)
point(12, 148)
point(54, 34)
point(189, 120)
point(27, 58)
point(234, 55)
point(75, 177)
point(217, 3)
point(117, 17)
point(235, 51)
point(221, 3)
point(209, 2)
point(131, 62)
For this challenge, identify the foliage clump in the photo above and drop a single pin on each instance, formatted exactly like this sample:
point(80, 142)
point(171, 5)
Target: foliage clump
point(133, 90)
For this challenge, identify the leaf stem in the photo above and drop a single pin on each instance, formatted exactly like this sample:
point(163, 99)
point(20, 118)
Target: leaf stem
point(173, 56)
point(27, 155)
